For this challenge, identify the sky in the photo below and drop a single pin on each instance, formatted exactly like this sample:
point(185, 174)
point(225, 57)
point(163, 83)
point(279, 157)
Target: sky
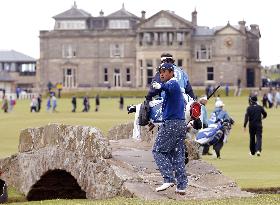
point(21, 20)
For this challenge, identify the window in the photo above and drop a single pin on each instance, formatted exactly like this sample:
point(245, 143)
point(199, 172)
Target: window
point(105, 74)
point(162, 38)
point(127, 74)
point(180, 62)
point(210, 73)
point(180, 38)
point(150, 76)
point(148, 38)
point(27, 67)
point(69, 51)
point(170, 39)
point(203, 52)
point(69, 77)
point(69, 71)
point(116, 50)
point(118, 24)
point(70, 25)
point(149, 65)
point(7, 66)
point(117, 77)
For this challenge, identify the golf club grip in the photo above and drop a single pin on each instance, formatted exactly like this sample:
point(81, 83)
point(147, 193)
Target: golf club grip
point(208, 97)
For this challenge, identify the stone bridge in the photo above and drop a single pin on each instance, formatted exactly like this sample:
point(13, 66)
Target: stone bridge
point(63, 161)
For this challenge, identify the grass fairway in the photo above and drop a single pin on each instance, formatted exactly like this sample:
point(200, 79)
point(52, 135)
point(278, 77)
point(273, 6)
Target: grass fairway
point(261, 199)
point(247, 171)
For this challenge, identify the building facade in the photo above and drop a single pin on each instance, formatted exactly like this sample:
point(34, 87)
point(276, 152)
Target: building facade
point(17, 70)
point(123, 50)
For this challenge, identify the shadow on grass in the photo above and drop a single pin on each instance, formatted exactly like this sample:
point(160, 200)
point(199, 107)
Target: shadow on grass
point(268, 190)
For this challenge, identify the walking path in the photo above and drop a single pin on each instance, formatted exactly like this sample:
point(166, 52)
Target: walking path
point(135, 164)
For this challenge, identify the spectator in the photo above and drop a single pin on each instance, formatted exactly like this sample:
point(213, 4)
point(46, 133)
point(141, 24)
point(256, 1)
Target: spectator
point(74, 103)
point(49, 85)
point(238, 87)
point(39, 100)
point(86, 104)
point(270, 99)
point(48, 103)
point(12, 103)
point(18, 90)
point(254, 114)
point(5, 104)
point(97, 103)
point(121, 102)
point(227, 89)
point(264, 100)
point(54, 103)
point(33, 104)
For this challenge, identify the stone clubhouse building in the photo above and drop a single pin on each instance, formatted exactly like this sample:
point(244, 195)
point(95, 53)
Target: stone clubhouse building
point(122, 50)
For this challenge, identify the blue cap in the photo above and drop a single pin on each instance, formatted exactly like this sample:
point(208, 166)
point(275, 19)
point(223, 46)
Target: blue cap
point(166, 66)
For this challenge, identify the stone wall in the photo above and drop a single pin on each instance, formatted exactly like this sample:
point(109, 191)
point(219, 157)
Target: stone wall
point(81, 151)
point(124, 131)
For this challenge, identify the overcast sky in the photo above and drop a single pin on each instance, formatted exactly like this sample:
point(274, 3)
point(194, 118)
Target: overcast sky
point(21, 20)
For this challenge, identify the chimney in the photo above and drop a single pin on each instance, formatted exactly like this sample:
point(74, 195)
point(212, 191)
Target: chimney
point(101, 13)
point(194, 17)
point(143, 15)
point(75, 5)
point(242, 26)
point(255, 29)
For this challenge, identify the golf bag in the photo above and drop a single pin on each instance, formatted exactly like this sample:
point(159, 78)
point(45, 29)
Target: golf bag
point(151, 111)
point(216, 134)
point(3, 192)
point(144, 114)
point(212, 134)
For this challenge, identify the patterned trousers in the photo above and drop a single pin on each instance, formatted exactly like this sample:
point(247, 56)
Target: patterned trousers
point(169, 152)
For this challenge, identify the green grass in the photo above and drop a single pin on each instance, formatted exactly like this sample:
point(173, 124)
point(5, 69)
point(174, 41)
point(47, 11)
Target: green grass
point(261, 199)
point(113, 93)
point(247, 171)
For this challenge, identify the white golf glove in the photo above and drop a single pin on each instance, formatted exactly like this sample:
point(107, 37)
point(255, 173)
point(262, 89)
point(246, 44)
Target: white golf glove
point(156, 85)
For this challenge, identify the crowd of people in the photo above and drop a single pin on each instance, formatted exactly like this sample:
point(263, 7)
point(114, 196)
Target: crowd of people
point(8, 104)
point(52, 103)
point(271, 98)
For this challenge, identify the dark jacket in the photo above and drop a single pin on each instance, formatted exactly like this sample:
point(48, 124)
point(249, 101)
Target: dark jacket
point(254, 114)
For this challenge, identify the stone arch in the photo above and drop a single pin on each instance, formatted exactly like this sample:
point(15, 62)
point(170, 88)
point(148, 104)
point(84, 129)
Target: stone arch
point(56, 184)
point(79, 153)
